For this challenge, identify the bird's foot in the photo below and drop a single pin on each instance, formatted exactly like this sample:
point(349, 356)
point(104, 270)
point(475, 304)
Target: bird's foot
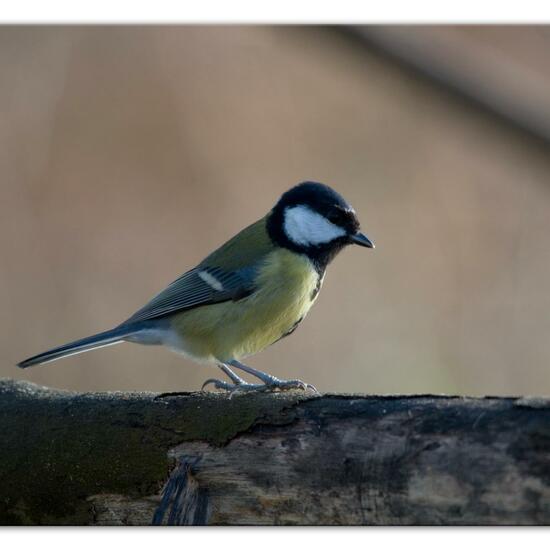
point(237, 387)
point(271, 384)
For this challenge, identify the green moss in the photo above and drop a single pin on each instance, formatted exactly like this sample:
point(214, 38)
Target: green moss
point(58, 448)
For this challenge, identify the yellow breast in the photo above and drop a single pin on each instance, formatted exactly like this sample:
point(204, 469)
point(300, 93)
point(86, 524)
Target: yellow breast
point(287, 286)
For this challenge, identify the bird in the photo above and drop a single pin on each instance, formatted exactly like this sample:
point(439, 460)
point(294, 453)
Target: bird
point(248, 294)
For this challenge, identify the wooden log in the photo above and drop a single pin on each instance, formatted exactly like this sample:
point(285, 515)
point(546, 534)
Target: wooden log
point(130, 459)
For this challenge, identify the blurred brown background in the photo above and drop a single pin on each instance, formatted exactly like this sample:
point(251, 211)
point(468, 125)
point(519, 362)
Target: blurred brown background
point(127, 154)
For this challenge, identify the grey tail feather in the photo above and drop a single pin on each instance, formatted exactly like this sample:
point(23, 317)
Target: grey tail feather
point(107, 338)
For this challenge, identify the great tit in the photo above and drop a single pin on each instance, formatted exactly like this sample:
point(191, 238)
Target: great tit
point(246, 295)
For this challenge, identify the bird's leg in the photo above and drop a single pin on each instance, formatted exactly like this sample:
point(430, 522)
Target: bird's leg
point(234, 377)
point(271, 382)
point(238, 383)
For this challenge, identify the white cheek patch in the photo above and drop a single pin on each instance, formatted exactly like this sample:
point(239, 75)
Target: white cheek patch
point(305, 227)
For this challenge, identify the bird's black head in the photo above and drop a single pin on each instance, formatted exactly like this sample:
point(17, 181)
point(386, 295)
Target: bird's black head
point(313, 219)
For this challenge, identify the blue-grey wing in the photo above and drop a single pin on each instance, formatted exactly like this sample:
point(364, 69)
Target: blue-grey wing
point(200, 286)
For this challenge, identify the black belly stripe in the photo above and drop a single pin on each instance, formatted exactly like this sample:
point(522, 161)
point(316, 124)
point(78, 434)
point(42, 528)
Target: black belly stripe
point(317, 288)
point(312, 297)
point(291, 329)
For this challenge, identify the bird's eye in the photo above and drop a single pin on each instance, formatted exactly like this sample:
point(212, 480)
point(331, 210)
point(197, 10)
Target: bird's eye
point(334, 216)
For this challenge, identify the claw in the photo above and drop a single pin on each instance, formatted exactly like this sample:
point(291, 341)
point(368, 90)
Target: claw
point(282, 385)
point(313, 389)
point(305, 386)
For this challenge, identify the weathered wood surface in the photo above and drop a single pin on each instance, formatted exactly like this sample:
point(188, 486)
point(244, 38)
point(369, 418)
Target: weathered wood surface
point(125, 458)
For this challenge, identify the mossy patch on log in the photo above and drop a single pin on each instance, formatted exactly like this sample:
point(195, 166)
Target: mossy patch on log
point(68, 446)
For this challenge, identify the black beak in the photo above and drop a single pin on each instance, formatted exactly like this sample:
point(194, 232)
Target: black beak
point(361, 240)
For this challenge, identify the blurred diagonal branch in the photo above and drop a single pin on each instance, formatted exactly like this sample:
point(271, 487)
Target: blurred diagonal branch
point(475, 69)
